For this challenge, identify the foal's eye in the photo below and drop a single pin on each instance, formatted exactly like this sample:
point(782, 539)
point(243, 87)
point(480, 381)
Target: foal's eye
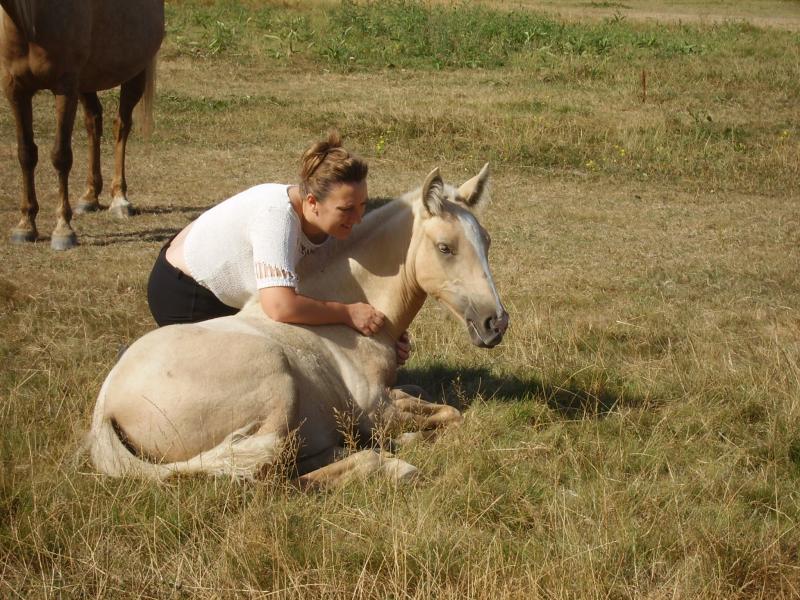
point(444, 248)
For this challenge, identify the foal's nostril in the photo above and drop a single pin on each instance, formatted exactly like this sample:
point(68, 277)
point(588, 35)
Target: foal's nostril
point(499, 324)
point(504, 321)
point(489, 324)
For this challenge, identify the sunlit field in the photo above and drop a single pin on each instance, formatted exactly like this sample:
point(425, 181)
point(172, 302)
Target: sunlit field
point(636, 434)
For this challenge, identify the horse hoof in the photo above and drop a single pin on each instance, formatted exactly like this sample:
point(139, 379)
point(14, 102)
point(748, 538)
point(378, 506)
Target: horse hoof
point(87, 207)
point(64, 242)
point(23, 236)
point(121, 209)
point(400, 471)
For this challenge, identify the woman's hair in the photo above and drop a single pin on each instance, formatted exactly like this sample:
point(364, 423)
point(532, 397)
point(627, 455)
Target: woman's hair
point(326, 164)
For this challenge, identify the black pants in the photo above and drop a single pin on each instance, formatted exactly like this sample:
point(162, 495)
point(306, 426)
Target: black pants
point(174, 297)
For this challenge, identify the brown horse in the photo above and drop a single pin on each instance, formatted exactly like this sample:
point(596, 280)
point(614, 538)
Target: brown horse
point(76, 48)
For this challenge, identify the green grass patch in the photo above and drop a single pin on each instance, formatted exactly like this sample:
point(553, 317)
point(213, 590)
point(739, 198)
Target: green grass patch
point(414, 34)
point(613, 98)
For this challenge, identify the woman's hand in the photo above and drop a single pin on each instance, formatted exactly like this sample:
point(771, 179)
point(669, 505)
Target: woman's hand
point(402, 348)
point(364, 318)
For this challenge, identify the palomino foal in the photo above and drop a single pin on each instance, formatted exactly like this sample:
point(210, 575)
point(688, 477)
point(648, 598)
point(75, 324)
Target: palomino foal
point(222, 396)
point(75, 48)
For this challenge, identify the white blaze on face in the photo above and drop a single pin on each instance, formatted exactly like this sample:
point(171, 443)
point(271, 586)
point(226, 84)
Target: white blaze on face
point(473, 233)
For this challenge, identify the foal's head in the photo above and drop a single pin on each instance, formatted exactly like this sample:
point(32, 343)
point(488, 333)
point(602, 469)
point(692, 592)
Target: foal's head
point(452, 255)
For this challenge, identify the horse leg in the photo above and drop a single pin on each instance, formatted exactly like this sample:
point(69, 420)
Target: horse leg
point(64, 237)
point(28, 155)
point(93, 118)
point(427, 418)
point(358, 465)
point(130, 93)
point(412, 390)
point(426, 415)
point(328, 456)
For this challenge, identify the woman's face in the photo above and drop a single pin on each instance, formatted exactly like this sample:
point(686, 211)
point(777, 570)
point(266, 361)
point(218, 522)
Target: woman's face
point(343, 208)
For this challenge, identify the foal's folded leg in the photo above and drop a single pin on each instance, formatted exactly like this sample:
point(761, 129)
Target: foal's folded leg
point(427, 418)
point(425, 415)
point(359, 465)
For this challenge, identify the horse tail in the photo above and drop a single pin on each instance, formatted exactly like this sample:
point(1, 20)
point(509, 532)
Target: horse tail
point(241, 454)
point(144, 108)
point(108, 454)
point(22, 14)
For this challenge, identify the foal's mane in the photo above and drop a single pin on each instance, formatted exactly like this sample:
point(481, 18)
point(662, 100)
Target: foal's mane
point(372, 229)
point(379, 217)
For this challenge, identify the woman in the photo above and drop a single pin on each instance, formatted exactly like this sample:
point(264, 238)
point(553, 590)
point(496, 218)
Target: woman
point(251, 243)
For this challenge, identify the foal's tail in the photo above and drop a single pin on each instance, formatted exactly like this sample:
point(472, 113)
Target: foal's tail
point(144, 109)
point(241, 454)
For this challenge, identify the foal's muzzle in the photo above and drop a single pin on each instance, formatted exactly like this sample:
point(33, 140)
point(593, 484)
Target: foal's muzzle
point(486, 330)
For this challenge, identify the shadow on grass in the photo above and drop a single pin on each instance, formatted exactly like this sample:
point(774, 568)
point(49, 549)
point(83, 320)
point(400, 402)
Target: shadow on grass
point(166, 210)
point(149, 235)
point(460, 387)
point(161, 234)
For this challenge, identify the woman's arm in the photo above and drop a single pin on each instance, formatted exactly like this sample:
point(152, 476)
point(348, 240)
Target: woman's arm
point(285, 305)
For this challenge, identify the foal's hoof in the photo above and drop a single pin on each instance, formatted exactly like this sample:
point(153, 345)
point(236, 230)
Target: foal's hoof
point(64, 241)
point(87, 206)
point(23, 236)
point(400, 471)
point(120, 208)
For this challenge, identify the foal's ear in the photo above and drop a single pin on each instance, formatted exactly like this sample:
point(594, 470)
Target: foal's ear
point(475, 192)
point(433, 193)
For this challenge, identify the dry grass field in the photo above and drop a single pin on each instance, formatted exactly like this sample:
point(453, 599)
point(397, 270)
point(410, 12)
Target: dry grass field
point(637, 433)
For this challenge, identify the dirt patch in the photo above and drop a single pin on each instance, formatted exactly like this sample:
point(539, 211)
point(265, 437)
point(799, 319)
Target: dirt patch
point(786, 23)
point(777, 15)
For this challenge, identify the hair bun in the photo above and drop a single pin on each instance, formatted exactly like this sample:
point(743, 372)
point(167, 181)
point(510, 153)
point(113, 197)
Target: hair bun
point(319, 151)
point(327, 162)
point(333, 142)
point(334, 139)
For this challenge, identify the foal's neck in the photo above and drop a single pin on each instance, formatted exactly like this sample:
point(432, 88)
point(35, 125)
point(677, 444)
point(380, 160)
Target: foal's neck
point(374, 265)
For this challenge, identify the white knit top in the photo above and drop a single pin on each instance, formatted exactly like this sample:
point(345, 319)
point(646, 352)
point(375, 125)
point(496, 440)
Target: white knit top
point(250, 241)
